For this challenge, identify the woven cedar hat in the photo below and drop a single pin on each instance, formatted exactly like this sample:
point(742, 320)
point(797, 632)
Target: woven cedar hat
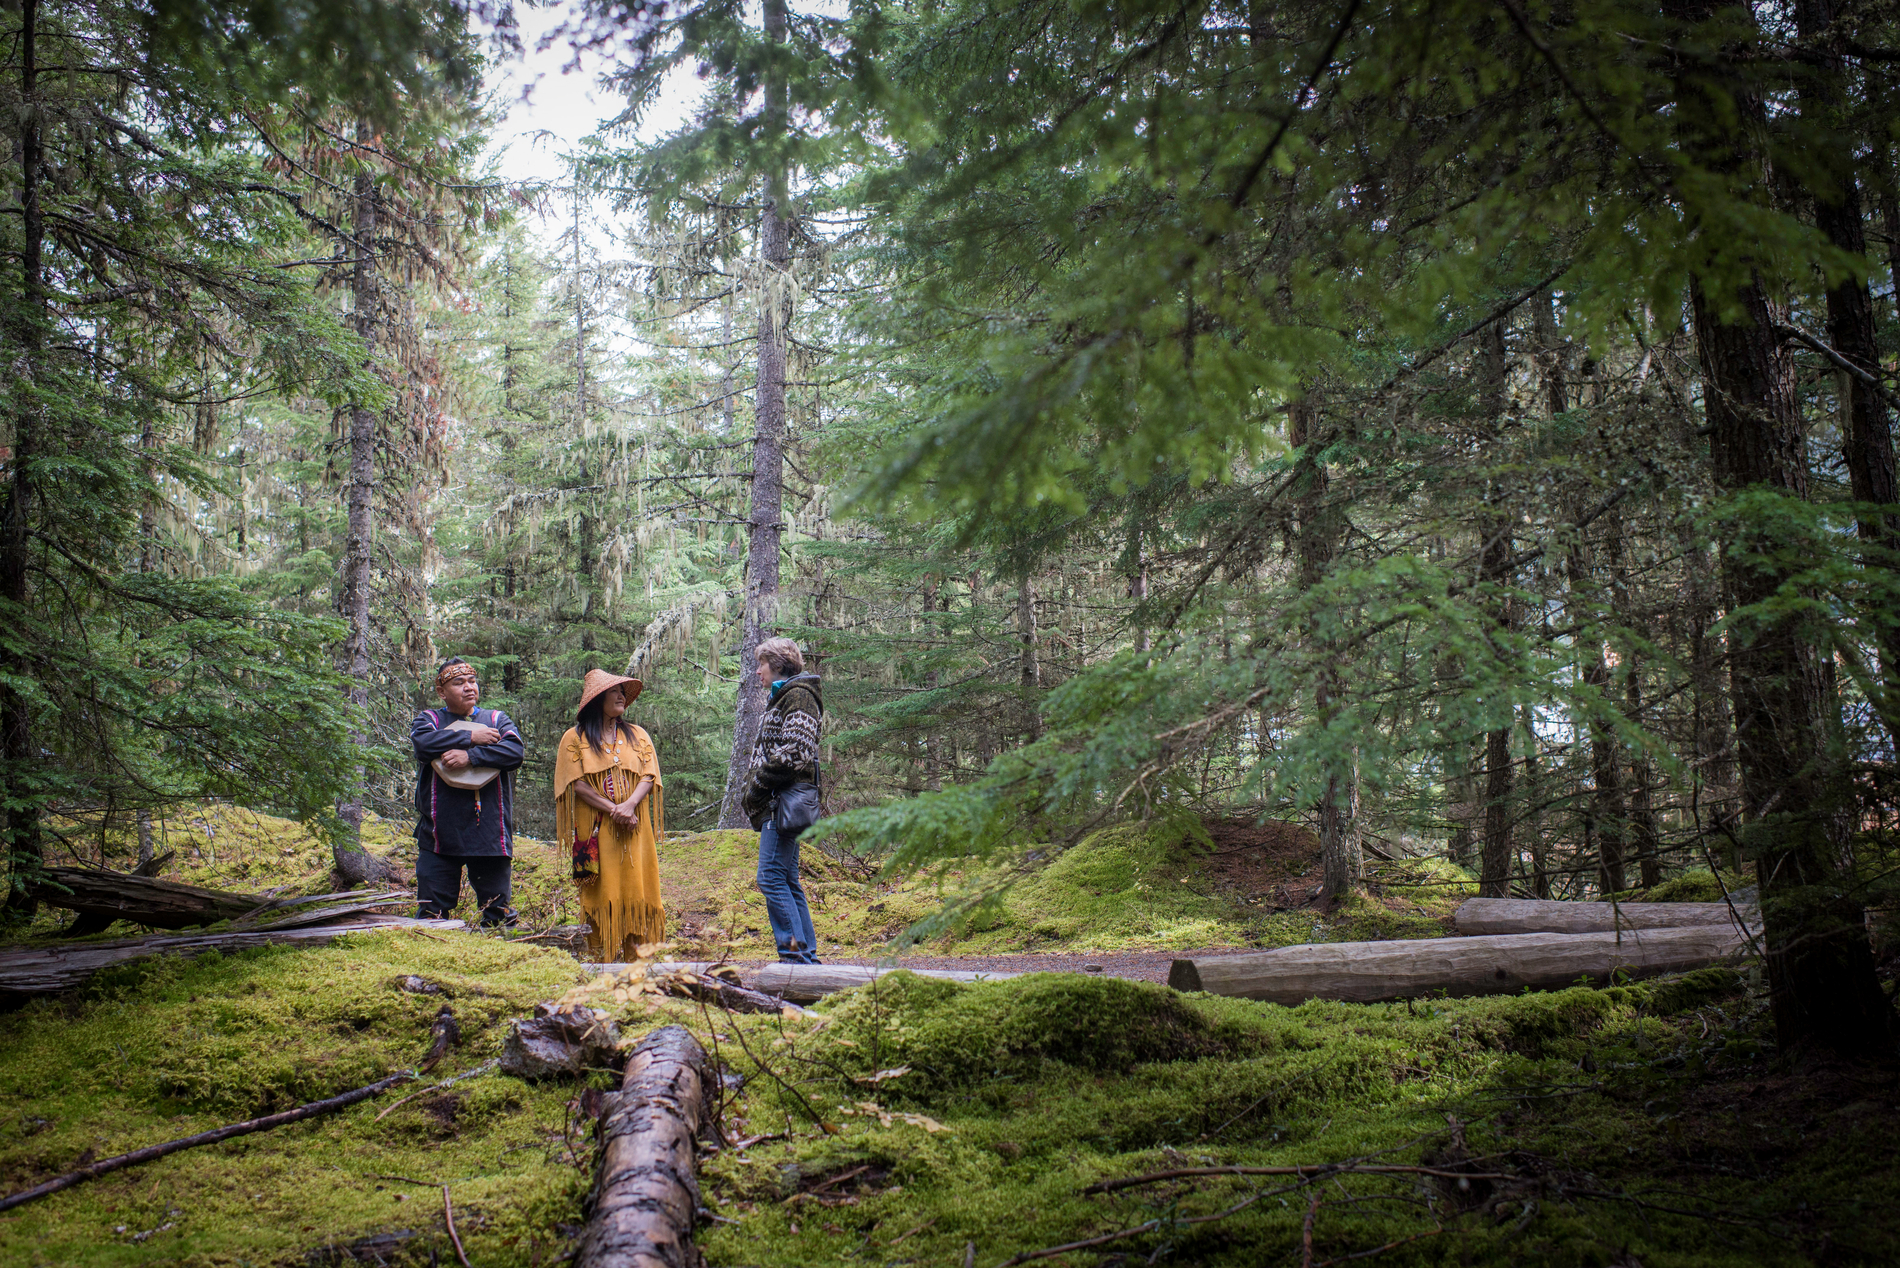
point(598, 680)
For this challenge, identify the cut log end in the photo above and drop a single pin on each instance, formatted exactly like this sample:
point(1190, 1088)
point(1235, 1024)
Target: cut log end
point(1183, 976)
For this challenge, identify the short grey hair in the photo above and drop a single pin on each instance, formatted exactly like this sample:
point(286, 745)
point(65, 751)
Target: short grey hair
point(783, 655)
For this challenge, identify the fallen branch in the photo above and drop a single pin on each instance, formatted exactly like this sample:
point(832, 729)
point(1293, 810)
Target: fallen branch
point(448, 1217)
point(105, 1166)
point(646, 1188)
point(483, 1068)
point(1316, 1172)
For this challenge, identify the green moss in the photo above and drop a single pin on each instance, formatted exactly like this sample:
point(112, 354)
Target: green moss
point(1581, 1092)
point(1700, 886)
point(169, 1048)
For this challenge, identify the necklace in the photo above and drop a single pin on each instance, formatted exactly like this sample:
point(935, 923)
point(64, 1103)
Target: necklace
point(616, 752)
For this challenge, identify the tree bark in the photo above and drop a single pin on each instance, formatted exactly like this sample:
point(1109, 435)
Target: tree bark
point(1497, 854)
point(1481, 916)
point(1823, 989)
point(16, 720)
point(1028, 668)
point(353, 863)
point(1499, 964)
point(646, 1188)
point(1321, 528)
point(1867, 434)
point(765, 522)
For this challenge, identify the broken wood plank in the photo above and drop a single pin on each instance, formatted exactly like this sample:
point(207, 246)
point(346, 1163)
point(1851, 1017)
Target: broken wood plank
point(146, 900)
point(646, 1187)
point(1493, 964)
point(41, 969)
point(1518, 915)
point(105, 1166)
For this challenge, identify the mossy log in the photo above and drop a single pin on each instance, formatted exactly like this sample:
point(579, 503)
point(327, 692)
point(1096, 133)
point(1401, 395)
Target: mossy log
point(1522, 915)
point(1495, 964)
point(39, 970)
point(646, 1189)
point(146, 900)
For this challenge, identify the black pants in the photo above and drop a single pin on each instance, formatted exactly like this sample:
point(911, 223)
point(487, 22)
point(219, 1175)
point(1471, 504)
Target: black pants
point(439, 885)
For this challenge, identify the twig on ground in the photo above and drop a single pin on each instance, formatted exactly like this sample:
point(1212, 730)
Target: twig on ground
point(483, 1068)
point(105, 1166)
point(909, 1232)
point(1306, 1232)
point(738, 1032)
point(1377, 1250)
point(448, 1217)
point(1316, 1172)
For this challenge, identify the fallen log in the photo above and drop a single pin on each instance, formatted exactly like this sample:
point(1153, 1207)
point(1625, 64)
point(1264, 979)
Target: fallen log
point(1520, 915)
point(646, 1187)
point(42, 969)
point(1492, 964)
point(146, 900)
point(806, 982)
point(715, 989)
point(105, 1166)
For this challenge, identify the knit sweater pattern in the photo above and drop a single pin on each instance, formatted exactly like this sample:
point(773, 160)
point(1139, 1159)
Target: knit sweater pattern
point(786, 751)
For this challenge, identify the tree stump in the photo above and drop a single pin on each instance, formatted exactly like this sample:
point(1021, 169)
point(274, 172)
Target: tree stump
point(646, 1190)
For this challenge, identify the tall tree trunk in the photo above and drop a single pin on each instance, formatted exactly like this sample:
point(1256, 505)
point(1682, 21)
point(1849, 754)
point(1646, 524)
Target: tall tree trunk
point(933, 740)
point(1823, 989)
point(1867, 441)
point(16, 720)
point(1645, 837)
point(764, 524)
point(353, 863)
point(1494, 570)
point(1534, 801)
point(1028, 668)
point(1321, 527)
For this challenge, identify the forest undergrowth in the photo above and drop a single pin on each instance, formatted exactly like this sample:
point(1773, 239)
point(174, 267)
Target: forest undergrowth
point(925, 1121)
point(1173, 884)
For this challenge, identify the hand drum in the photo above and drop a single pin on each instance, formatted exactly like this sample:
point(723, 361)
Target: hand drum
point(467, 776)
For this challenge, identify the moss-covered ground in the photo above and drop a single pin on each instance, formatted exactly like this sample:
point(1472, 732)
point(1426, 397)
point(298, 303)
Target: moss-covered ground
point(910, 1123)
point(922, 1122)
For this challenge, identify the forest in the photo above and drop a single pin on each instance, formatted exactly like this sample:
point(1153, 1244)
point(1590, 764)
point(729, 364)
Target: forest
point(1255, 478)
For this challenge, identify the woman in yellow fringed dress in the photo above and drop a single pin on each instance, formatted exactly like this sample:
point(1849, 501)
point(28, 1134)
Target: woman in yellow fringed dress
point(608, 810)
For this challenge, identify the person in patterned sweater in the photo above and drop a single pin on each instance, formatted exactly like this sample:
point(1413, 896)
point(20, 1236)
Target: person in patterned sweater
point(785, 767)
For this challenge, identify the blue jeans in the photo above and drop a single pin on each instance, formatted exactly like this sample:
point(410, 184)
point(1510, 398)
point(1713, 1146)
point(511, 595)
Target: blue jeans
point(785, 898)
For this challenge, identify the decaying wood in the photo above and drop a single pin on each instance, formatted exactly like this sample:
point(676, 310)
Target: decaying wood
point(1485, 965)
point(158, 904)
point(806, 982)
point(445, 1034)
point(41, 969)
point(712, 988)
point(559, 1042)
point(1523, 915)
point(646, 1189)
point(105, 1166)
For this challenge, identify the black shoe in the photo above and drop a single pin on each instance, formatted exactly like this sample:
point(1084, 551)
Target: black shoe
point(504, 919)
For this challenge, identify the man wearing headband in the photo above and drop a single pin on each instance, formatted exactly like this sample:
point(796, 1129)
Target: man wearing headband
point(457, 825)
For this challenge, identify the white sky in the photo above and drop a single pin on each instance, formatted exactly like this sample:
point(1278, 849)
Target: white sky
point(550, 110)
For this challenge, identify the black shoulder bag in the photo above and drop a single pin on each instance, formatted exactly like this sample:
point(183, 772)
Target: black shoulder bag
point(796, 808)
